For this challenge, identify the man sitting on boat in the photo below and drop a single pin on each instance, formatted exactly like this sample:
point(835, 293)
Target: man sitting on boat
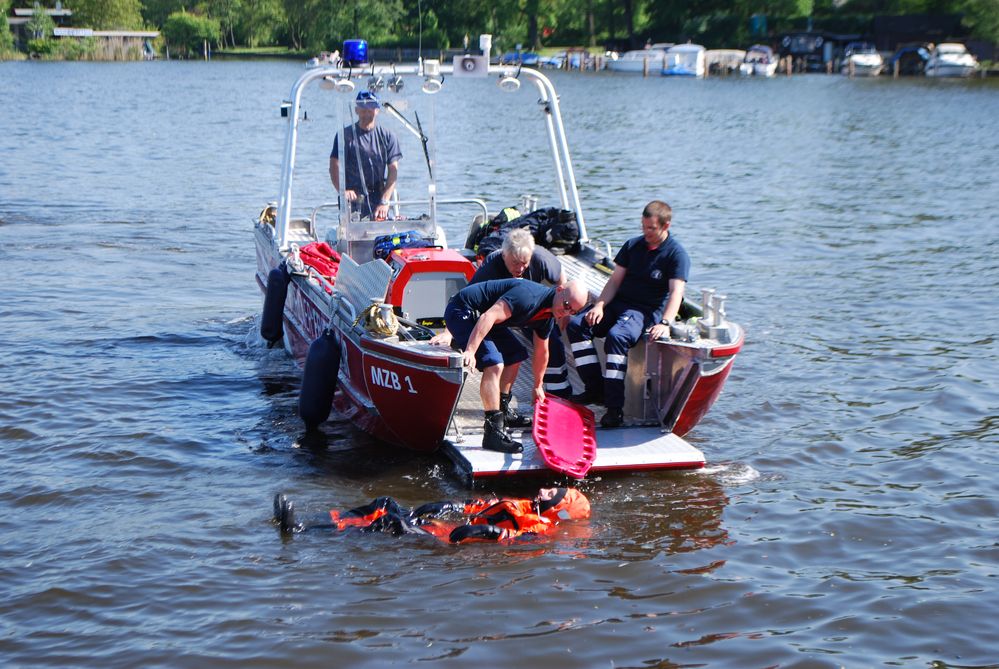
point(643, 294)
point(372, 155)
point(480, 315)
point(520, 258)
point(484, 519)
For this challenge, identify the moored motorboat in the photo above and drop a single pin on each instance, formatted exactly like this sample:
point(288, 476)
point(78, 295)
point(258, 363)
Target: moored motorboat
point(685, 60)
point(377, 289)
point(861, 59)
point(723, 61)
point(759, 61)
point(950, 59)
point(639, 60)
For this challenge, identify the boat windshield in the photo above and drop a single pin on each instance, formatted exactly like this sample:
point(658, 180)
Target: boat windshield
point(758, 54)
point(951, 49)
point(438, 159)
point(859, 48)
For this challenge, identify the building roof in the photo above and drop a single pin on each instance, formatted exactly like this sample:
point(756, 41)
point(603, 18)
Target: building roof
point(87, 32)
point(29, 11)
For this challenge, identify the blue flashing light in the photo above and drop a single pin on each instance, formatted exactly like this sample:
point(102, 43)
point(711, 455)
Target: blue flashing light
point(355, 52)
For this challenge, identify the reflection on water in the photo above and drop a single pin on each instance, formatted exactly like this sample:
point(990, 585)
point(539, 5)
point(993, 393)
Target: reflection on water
point(845, 517)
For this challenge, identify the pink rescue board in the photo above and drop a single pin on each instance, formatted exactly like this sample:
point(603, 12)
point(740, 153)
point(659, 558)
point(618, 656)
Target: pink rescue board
point(565, 434)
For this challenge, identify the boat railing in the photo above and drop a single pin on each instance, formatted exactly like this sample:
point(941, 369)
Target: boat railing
point(481, 204)
point(313, 273)
point(324, 205)
point(338, 300)
point(565, 175)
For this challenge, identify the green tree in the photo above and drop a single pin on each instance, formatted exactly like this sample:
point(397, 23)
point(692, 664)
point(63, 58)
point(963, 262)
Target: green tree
point(503, 19)
point(40, 26)
point(982, 19)
point(187, 33)
point(318, 25)
point(107, 14)
point(227, 12)
point(6, 39)
point(260, 22)
point(156, 12)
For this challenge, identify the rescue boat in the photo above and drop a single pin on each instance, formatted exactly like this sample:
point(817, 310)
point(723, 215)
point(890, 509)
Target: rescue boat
point(377, 289)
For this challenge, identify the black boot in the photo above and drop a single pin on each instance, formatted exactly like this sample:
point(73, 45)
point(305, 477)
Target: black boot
point(512, 417)
point(284, 514)
point(495, 437)
point(589, 397)
point(613, 418)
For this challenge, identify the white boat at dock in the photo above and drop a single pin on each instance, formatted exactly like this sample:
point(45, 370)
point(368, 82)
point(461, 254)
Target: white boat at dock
point(759, 61)
point(723, 61)
point(861, 59)
point(685, 60)
point(640, 60)
point(950, 59)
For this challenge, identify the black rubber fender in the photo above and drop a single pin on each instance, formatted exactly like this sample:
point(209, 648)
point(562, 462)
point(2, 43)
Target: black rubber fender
point(322, 365)
point(272, 320)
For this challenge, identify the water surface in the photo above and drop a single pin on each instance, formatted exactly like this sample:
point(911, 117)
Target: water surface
point(848, 513)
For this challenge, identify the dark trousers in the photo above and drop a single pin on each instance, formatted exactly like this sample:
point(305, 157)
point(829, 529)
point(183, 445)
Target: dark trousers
point(621, 327)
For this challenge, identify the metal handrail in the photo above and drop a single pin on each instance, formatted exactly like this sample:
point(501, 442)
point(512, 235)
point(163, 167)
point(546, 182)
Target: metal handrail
point(568, 190)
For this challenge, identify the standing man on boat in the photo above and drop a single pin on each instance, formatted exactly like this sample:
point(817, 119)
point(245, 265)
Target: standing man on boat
point(643, 294)
point(371, 154)
point(480, 315)
point(520, 258)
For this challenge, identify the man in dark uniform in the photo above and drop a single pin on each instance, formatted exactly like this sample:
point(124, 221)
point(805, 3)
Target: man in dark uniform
point(643, 294)
point(520, 258)
point(371, 156)
point(479, 317)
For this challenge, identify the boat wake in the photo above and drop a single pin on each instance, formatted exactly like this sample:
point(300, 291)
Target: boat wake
point(730, 473)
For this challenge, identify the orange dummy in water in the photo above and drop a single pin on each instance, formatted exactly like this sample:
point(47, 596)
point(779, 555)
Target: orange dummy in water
point(487, 519)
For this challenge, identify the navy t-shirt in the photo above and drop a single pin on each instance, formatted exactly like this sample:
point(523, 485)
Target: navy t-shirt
point(374, 149)
point(544, 267)
point(646, 281)
point(529, 302)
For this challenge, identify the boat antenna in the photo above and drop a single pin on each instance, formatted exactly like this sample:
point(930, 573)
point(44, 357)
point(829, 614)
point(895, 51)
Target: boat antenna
point(426, 152)
point(419, 43)
point(416, 130)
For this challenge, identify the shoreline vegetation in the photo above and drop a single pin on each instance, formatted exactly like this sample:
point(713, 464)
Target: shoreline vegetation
point(58, 29)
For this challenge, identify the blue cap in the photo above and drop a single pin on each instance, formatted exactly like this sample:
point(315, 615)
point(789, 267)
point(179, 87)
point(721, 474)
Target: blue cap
point(368, 100)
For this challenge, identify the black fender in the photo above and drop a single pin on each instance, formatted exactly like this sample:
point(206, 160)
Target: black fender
point(322, 366)
point(272, 320)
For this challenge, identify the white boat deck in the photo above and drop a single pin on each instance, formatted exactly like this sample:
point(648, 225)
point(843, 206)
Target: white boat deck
point(628, 448)
point(620, 449)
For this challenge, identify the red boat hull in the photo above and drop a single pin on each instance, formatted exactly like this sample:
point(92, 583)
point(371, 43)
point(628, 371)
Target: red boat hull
point(383, 388)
